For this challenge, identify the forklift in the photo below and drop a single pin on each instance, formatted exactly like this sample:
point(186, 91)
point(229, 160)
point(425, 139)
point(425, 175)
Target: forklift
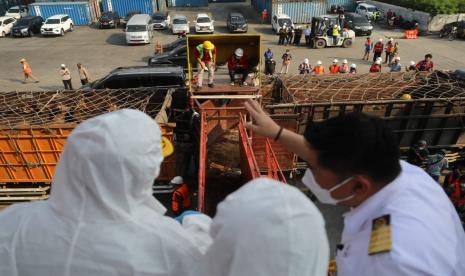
point(321, 35)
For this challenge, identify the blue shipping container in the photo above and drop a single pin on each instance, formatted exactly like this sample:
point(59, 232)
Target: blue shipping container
point(78, 11)
point(301, 12)
point(188, 3)
point(122, 7)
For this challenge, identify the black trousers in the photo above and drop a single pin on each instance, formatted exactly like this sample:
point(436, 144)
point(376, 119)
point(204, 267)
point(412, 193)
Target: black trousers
point(376, 55)
point(269, 67)
point(238, 71)
point(282, 37)
point(297, 39)
point(84, 81)
point(67, 84)
point(307, 39)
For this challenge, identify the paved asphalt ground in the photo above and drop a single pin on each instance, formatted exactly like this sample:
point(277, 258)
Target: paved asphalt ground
point(103, 50)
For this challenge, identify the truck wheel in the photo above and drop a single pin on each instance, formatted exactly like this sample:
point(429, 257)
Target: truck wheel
point(347, 43)
point(320, 43)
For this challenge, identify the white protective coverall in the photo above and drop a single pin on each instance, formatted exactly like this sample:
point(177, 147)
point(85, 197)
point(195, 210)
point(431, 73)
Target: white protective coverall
point(267, 228)
point(101, 218)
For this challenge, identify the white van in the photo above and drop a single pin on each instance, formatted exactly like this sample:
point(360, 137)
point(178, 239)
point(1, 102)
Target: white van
point(139, 29)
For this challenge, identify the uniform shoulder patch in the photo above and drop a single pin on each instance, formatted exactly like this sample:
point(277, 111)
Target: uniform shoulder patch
point(381, 236)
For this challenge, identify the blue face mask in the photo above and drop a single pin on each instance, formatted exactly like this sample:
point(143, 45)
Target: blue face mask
point(323, 195)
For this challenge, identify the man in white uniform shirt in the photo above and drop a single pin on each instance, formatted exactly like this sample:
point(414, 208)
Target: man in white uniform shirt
point(400, 222)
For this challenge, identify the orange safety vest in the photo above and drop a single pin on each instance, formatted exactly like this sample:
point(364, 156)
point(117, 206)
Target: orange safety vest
point(334, 69)
point(180, 200)
point(319, 70)
point(27, 68)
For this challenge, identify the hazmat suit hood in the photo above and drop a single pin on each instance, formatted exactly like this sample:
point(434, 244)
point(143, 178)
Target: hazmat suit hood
point(267, 228)
point(101, 218)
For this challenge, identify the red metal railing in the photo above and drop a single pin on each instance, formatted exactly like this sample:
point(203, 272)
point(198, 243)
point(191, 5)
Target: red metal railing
point(202, 161)
point(274, 170)
point(249, 164)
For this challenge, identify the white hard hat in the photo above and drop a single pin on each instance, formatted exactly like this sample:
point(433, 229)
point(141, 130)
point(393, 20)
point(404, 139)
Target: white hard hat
point(335, 60)
point(239, 52)
point(344, 61)
point(378, 61)
point(380, 40)
point(353, 65)
point(412, 62)
point(335, 26)
point(62, 66)
point(319, 62)
point(177, 180)
point(306, 61)
point(397, 58)
point(391, 39)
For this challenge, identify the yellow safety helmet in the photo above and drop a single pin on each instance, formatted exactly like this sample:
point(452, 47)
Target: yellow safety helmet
point(406, 97)
point(166, 147)
point(208, 45)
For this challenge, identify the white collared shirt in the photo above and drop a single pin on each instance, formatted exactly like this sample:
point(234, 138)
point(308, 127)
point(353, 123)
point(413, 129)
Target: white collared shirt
point(427, 237)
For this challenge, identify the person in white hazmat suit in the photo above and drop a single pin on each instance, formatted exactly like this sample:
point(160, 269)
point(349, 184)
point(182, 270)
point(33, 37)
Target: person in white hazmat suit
point(267, 228)
point(101, 218)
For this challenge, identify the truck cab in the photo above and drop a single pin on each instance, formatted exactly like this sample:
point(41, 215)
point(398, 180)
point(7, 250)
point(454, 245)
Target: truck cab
point(278, 21)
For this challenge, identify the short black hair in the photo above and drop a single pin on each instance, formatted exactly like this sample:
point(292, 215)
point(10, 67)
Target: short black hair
point(428, 56)
point(356, 143)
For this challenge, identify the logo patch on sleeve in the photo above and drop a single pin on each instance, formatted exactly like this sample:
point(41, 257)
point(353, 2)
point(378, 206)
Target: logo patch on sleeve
point(381, 236)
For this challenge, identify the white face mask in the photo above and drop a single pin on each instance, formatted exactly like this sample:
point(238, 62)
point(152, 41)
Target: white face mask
point(323, 195)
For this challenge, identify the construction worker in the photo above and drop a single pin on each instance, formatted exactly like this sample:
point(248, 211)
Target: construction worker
point(205, 54)
point(396, 66)
point(282, 34)
point(83, 74)
point(411, 67)
point(334, 68)
point(376, 67)
point(426, 65)
point(353, 68)
point(418, 153)
point(264, 16)
point(436, 164)
point(269, 66)
point(304, 67)
point(389, 49)
point(66, 77)
point(344, 68)
point(395, 208)
point(368, 48)
point(238, 64)
point(253, 238)
point(158, 48)
point(286, 57)
point(378, 49)
point(289, 35)
point(297, 35)
point(319, 69)
point(27, 71)
point(180, 201)
point(307, 34)
point(394, 53)
point(335, 33)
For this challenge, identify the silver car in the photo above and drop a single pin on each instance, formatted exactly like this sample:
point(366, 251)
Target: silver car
point(179, 24)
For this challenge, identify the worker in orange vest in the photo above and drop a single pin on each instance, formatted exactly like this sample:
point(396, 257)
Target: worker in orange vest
point(319, 69)
point(27, 71)
point(264, 16)
point(334, 68)
point(180, 200)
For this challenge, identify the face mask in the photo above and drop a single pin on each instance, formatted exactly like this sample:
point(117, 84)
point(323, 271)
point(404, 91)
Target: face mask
point(323, 195)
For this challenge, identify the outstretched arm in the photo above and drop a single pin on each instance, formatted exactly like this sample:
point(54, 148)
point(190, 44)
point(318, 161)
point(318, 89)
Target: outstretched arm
point(262, 124)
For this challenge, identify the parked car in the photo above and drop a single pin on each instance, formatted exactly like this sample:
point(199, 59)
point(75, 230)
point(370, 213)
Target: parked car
point(175, 44)
point(109, 20)
point(236, 22)
point(17, 12)
point(161, 20)
point(139, 29)
point(179, 24)
point(367, 10)
point(57, 25)
point(6, 24)
point(204, 24)
point(177, 56)
point(128, 16)
point(359, 24)
point(140, 76)
point(27, 26)
point(278, 20)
